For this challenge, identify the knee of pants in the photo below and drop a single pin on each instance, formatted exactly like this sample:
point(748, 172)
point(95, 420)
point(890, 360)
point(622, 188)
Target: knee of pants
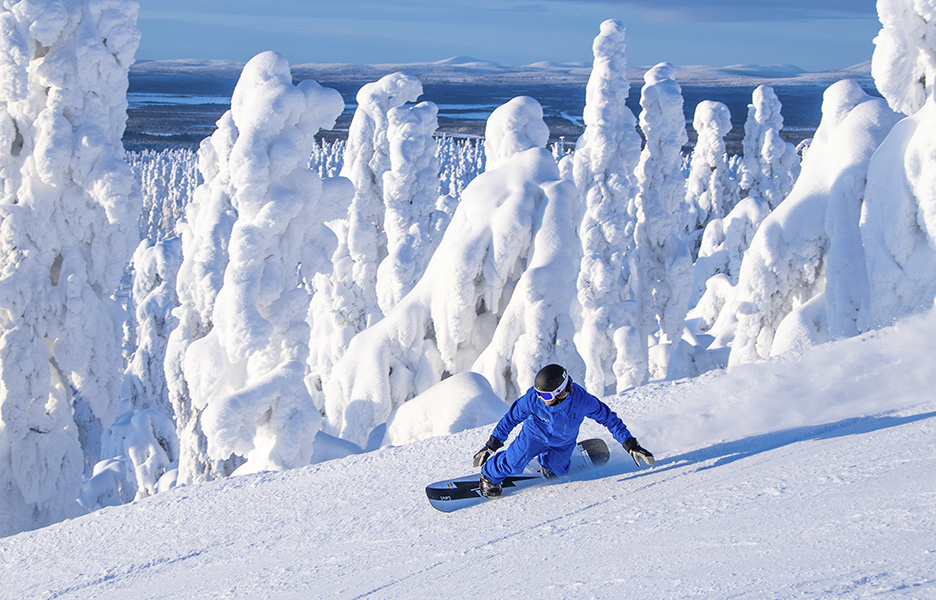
point(513, 460)
point(557, 459)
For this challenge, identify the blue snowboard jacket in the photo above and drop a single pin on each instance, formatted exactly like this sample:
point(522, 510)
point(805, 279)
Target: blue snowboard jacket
point(559, 425)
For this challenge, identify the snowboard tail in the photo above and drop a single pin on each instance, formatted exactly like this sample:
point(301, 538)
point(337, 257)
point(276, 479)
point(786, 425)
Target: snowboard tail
point(452, 494)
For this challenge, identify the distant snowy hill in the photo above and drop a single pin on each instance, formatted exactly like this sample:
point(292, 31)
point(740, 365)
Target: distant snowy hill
point(463, 69)
point(806, 476)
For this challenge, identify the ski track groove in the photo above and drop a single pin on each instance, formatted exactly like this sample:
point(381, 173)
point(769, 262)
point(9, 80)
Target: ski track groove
point(113, 576)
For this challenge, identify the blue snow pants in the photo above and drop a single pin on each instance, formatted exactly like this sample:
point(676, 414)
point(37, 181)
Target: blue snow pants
point(525, 448)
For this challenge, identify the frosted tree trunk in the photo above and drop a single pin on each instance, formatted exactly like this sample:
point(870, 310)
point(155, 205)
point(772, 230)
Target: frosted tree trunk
point(662, 266)
point(68, 207)
point(603, 169)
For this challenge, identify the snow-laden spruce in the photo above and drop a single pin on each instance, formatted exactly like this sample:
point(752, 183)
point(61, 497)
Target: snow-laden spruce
point(503, 276)
point(662, 267)
point(205, 233)
point(711, 191)
point(367, 159)
point(245, 375)
point(168, 179)
point(770, 165)
point(345, 299)
point(461, 161)
point(603, 169)
point(904, 61)
point(803, 279)
point(717, 269)
point(716, 235)
point(68, 225)
point(140, 449)
point(898, 220)
point(410, 195)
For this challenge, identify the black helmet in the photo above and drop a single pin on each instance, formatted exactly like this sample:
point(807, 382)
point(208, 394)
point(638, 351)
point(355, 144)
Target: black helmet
point(551, 381)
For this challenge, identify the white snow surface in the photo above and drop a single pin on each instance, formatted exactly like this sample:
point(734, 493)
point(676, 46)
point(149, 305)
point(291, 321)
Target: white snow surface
point(803, 476)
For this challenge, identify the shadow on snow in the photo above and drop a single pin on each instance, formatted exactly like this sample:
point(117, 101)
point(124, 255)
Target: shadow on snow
point(725, 453)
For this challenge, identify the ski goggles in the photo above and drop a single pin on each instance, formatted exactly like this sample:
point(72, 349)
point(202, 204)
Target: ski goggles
point(550, 396)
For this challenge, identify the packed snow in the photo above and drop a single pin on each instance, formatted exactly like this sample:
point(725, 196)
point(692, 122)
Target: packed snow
point(340, 324)
point(807, 476)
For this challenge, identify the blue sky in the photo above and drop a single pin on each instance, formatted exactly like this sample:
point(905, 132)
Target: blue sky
point(813, 34)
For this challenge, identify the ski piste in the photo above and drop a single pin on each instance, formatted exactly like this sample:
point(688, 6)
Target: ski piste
point(452, 494)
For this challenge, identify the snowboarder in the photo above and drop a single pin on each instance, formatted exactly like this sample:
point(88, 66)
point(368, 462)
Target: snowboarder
point(552, 412)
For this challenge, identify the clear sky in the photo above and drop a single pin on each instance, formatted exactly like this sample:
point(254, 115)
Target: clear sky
point(813, 34)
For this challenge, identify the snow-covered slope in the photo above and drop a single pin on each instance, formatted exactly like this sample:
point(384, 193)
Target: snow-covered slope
point(809, 476)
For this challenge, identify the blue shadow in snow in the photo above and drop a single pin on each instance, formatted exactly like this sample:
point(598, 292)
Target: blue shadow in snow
point(728, 452)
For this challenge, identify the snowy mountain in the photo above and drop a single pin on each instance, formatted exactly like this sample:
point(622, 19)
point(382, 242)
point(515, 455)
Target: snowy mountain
point(465, 69)
point(805, 476)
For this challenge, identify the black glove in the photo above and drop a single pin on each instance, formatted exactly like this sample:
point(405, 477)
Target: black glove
point(638, 453)
point(493, 445)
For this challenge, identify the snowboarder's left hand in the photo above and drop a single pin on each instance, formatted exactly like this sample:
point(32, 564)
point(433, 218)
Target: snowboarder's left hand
point(638, 453)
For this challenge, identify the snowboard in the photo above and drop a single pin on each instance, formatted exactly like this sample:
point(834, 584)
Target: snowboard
point(453, 494)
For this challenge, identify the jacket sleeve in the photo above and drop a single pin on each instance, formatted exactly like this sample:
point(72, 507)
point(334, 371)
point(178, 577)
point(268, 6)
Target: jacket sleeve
point(600, 412)
point(518, 412)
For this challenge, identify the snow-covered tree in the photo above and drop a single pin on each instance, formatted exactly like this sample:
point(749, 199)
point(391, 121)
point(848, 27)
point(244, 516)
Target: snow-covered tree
point(603, 169)
point(803, 279)
point(155, 265)
point(168, 179)
point(143, 435)
point(254, 230)
point(904, 61)
point(367, 159)
point(491, 270)
point(724, 242)
point(327, 158)
point(68, 225)
point(711, 192)
point(206, 234)
point(771, 165)
point(246, 376)
point(345, 300)
point(898, 221)
point(461, 160)
point(662, 267)
point(410, 194)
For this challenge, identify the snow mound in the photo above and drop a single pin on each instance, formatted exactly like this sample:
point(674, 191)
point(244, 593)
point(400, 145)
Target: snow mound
point(463, 401)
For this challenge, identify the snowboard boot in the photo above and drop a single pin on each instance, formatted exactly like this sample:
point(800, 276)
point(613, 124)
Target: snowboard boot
point(489, 489)
point(547, 474)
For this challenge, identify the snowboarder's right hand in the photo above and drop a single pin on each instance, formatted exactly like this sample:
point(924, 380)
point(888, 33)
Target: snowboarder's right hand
point(493, 445)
